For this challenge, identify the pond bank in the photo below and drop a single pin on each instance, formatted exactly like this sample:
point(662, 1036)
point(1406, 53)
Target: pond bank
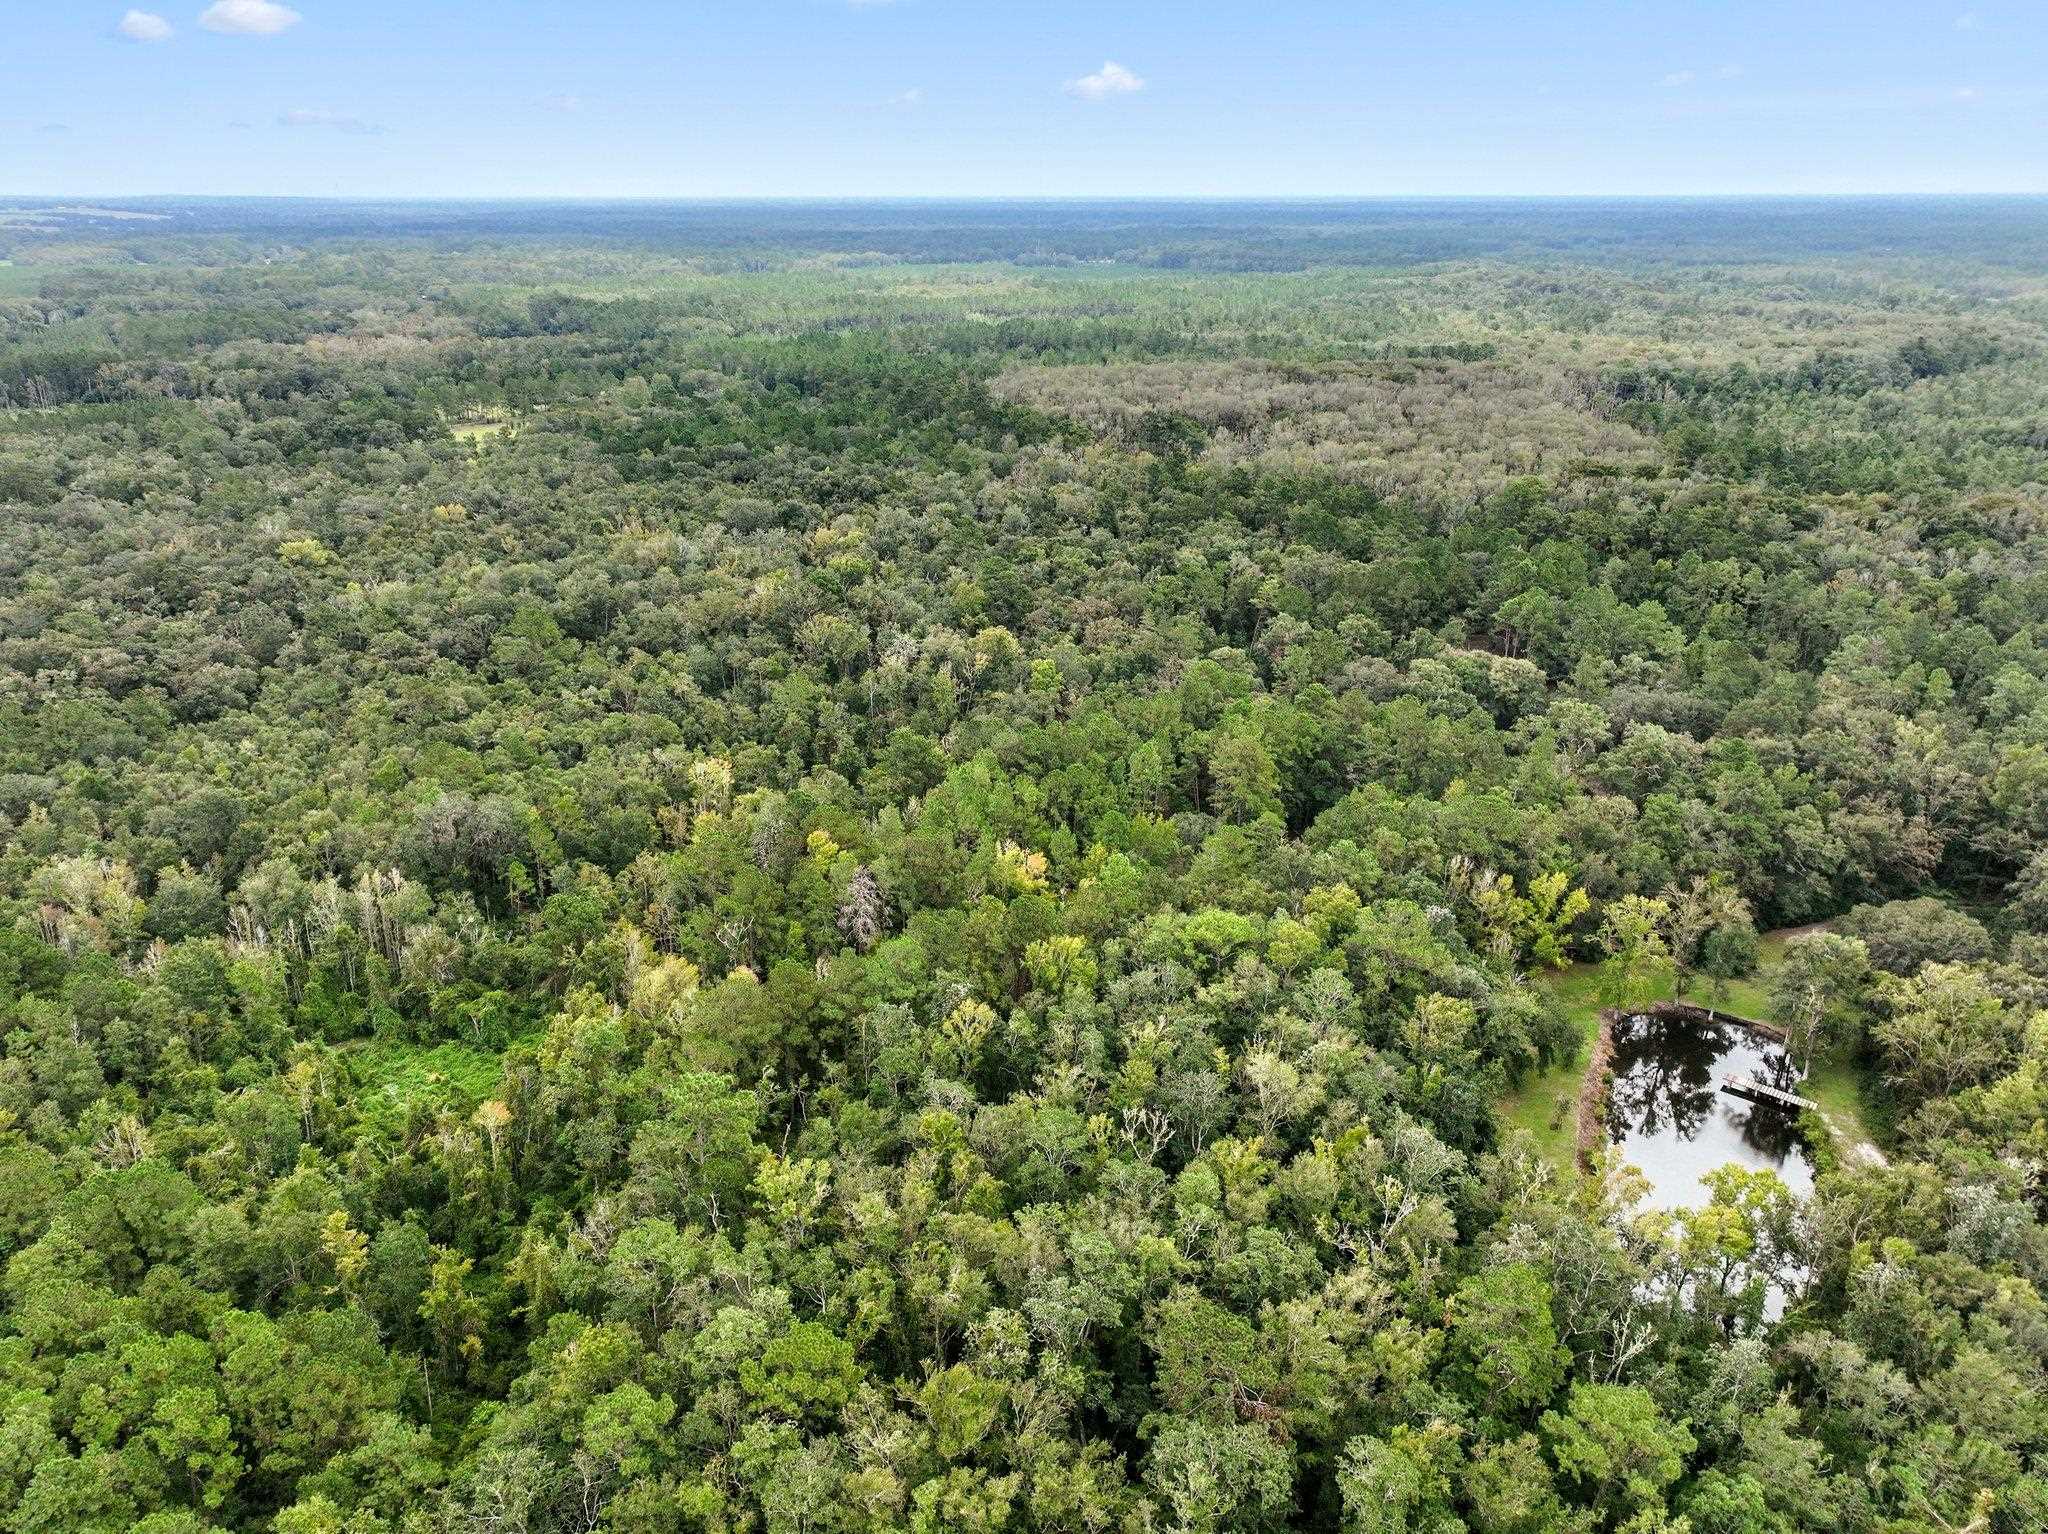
point(1664, 1102)
point(1546, 1104)
point(1596, 1087)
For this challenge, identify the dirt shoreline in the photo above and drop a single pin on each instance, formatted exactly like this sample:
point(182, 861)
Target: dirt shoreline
point(1693, 1013)
point(1593, 1089)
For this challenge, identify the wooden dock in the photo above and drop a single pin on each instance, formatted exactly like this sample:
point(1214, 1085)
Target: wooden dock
point(1757, 1091)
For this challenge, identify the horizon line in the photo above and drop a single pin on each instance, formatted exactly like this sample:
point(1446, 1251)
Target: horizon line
point(989, 198)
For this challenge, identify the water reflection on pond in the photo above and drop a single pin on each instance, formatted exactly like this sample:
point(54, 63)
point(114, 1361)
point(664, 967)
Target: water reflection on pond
point(1670, 1117)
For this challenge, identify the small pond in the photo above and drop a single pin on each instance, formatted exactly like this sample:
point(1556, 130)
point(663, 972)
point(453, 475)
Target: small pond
point(1671, 1118)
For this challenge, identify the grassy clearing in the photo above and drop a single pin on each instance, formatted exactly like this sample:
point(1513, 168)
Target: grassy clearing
point(394, 1076)
point(1836, 1083)
point(1545, 1104)
point(477, 431)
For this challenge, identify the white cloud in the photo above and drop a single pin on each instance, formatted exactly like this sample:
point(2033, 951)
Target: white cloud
point(144, 27)
point(1111, 79)
point(1730, 72)
point(914, 97)
point(317, 117)
point(1680, 77)
point(1968, 22)
point(248, 18)
point(561, 101)
point(1968, 93)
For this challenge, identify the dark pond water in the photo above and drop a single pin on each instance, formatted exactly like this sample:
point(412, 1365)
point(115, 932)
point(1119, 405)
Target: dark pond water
point(1671, 1118)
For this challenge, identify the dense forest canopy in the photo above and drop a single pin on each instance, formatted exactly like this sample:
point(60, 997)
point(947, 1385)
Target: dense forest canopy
point(883, 867)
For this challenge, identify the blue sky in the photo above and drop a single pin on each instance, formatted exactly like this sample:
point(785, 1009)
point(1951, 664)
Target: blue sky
point(1037, 97)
